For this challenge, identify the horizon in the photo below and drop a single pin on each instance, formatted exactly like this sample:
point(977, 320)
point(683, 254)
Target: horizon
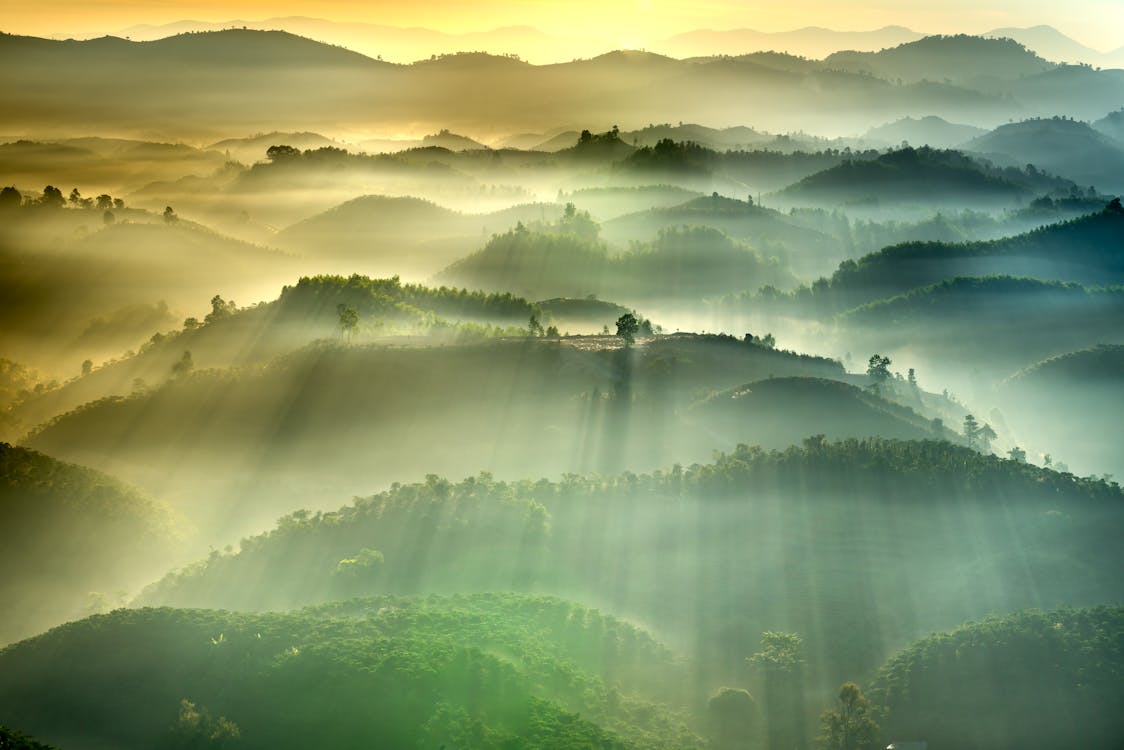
point(643, 25)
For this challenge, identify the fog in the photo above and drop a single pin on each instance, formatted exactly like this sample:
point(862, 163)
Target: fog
point(631, 401)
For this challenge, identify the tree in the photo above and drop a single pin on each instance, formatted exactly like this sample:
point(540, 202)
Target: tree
point(348, 320)
point(10, 198)
point(183, 366)
point(220, 309)
point(118, 203)
point(1017, 454)
point(912, 378)
point(971, 430)
point(780, 658)
point(849, 726)
point(108, 218)
point(87, 367)
point(197, 728)
point(552, 332)
point(170, 215)
point(534, 327)
point(878, 368)
point(104, 202)
point(75, 197)
point(52, 197)
point(731, 714)
point(627, 326)
point(281, 153)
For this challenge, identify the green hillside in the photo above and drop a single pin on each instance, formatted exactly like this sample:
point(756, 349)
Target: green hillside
point(73, 539)
point(1030, 680)
point(860, 546)
point(487, 671)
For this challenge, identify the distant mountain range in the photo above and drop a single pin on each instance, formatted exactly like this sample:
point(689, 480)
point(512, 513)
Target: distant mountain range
point(409, 44)
point(186, 85)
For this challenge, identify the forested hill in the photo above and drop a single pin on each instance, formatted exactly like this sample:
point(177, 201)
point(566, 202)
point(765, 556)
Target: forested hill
point(1029, 680)
point(70, 533)
point(648, 546)
point(1087, 250)
point(487, 671)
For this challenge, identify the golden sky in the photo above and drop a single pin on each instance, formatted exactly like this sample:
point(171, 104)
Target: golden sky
point(1097, 23)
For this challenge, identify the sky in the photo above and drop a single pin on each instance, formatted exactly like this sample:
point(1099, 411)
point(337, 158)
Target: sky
point(1096, 23)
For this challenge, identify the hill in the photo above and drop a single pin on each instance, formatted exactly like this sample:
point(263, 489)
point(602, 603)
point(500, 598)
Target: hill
point(961, 58)
point(74, 538)
point(770, 232)
point(1080, 407)
point(1060, 146)
point(1112, 125)
point(1083, 250)
point(835, 541)
point(677, 267)
point(918, 176)
point(491, 670)
point(303, 313)
point(331, 420)
point(1052, 316)
point(252, 148)
point(400, 235)
point(780, 411)
point(1032, 680)
point(1049, 43)
point(924, 131)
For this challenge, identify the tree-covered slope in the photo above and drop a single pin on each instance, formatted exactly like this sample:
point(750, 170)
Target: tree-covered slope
point(782, 411)
point(923, 175)
point(487, 671)
point(1031, 680)
point(1085, 250)
point(73, 537)
point(860, 546)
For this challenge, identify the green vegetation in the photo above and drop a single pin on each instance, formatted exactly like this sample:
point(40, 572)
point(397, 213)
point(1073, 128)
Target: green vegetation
point(1030, 679)
point(73, 538)
point(487, 671)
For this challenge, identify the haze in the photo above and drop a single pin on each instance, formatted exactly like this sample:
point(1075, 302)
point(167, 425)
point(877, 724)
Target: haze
point(669, 376)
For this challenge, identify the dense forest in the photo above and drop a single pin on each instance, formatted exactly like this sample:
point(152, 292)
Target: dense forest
point(372, 386)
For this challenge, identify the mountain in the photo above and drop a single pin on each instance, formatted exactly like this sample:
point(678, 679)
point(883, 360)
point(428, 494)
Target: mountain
point(925, 131)
point(811, 41)
point(74, 540)
point(402, 45)
point(344, 91)
point(944, 687)
point(1049, 43)
point(1060, 146)
point(503, 670)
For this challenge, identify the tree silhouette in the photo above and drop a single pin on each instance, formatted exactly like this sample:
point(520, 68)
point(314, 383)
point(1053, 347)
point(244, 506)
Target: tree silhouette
point(52, 197)
point(971, 430)
point(878, 368)
point(627, 327)
point(534, 327)
point(1017, 454)
point(732, 718)
point(170, 215)
point(850, 726)
point(348, 320)
point(183, 366)
point(986, 435)
point(10, 198)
